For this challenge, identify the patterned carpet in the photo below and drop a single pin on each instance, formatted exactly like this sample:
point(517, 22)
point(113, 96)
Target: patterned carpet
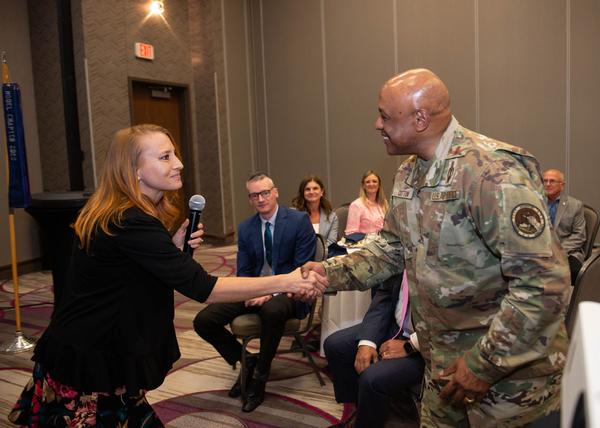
point(215, 408)
point(195, 392)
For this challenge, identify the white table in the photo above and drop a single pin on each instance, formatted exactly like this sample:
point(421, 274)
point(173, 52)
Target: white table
point(343, 310)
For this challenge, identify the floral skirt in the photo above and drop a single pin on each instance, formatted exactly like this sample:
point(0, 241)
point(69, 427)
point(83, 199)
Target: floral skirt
point(45, 402)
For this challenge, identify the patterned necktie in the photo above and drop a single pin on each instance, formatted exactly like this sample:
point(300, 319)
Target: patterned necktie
point(268, 243)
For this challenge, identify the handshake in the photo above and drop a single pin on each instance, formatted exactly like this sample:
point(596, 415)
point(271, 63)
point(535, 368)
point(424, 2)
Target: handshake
point(307, 282)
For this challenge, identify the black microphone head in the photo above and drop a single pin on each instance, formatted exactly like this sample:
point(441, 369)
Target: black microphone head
point(197, 203)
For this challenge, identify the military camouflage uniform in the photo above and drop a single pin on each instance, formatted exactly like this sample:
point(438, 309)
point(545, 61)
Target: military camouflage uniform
point(488, 278)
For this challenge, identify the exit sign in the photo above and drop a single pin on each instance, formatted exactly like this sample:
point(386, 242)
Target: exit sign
point(144, 51)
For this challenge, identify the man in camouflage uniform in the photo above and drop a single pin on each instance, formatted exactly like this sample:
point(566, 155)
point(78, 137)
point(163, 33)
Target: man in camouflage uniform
point(487, 276)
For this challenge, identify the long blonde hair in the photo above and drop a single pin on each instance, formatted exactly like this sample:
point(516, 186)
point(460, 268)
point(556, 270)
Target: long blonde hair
point(119, 188)
point(380, 197)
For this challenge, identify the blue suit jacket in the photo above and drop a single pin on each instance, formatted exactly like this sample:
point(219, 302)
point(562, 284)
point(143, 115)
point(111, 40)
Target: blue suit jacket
point(293, 245)
point(379, 323)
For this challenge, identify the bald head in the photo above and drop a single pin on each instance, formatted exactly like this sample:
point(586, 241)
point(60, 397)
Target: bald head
point(414, 109)
point(421, 89)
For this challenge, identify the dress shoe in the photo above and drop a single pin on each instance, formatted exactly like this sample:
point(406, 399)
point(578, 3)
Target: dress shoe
point(236, 389)
point(255, 395)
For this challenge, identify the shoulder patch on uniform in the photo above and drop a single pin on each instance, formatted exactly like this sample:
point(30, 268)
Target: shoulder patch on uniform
point(528, 220)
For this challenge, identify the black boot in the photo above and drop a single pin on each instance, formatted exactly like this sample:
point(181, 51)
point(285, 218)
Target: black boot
point(236, 389)
point(255, 395)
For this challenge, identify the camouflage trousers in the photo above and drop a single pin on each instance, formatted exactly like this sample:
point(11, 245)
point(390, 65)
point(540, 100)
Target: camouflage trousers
point(508, 403)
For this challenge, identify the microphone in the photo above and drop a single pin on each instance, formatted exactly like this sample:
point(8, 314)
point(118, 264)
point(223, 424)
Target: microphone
point(196, 204)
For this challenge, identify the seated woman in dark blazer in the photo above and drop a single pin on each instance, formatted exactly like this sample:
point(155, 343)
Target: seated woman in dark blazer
point(311, 198)
point(112, 338)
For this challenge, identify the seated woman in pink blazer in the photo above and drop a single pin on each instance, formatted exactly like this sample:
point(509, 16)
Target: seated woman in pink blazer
point(366, 213)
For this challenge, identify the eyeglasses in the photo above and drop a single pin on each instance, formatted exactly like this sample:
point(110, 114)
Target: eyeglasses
point(265, 194)
point(551, 181)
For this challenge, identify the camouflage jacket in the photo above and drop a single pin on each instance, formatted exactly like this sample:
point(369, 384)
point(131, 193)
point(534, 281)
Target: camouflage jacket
point(488, 278)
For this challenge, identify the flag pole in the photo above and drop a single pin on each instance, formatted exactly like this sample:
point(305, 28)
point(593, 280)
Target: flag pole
point(20, 342)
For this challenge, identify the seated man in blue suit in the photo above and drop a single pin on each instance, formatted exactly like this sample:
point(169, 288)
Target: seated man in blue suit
point(377, 359)
point(273, 241)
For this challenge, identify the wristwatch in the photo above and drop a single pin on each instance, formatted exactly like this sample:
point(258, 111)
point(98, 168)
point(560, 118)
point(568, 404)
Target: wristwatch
point(409, 348)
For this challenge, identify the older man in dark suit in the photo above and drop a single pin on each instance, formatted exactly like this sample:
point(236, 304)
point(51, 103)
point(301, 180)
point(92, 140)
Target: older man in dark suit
point(566, 214)
point(273, 241)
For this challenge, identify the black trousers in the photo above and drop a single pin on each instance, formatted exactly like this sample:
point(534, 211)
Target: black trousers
point(575, 267)
point(374, 387)
point(211, 321)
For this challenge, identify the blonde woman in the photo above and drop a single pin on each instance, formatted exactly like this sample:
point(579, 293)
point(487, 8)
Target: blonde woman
point(366, 213)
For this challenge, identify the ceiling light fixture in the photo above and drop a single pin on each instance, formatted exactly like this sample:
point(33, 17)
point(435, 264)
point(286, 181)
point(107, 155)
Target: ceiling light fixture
point(157, 7)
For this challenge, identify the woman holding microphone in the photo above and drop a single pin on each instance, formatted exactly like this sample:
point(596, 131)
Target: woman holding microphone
point(111, 337)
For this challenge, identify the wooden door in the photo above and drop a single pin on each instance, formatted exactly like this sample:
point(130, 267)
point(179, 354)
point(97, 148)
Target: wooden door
point(165, 105)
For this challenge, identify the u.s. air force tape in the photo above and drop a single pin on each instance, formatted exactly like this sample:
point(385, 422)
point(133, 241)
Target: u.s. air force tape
point(528, 221)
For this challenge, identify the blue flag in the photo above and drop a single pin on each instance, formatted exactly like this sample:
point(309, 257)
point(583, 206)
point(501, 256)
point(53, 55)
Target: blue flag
point(19, 195)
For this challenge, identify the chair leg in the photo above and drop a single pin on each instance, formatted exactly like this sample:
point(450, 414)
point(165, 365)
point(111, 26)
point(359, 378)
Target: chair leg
point(243, 367)
point(310, 359)
point(311, 335)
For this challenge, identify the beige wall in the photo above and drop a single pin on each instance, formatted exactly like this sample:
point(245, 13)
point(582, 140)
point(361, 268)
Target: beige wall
point(355, 65)
point(583, 149)
point(209, 59)
point(290, 86)
point(522, 68)
point(517, 70)
point(43, 30)
point(240, 110)
point(14, 39)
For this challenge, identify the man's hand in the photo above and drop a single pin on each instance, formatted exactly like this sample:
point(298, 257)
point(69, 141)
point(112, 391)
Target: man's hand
point(392, 348)
point(464, 387)
point(195, 237)
point(308, 296)
point(258, 301)
point(317, 272)
point(313, 267)
point(303, 287)
point(365, 356)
